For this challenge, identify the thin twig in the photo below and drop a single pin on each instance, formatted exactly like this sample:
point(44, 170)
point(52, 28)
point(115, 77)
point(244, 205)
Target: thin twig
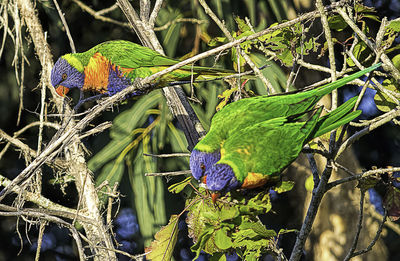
point(99, 15)
point(360, 176)
point(393, 114)
point(359, 226)
point(171, 173)
point(377, 235)
point(71, 42)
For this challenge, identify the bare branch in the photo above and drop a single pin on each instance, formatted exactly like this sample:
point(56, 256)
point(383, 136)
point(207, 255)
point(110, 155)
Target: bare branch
point(71, 42)
point(172, 173)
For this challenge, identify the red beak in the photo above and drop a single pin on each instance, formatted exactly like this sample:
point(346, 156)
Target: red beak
point(214, 197)
point(61, 90)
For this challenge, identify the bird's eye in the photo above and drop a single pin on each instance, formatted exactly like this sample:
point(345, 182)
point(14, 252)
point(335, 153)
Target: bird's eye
point(202, 166)
point(64, 76)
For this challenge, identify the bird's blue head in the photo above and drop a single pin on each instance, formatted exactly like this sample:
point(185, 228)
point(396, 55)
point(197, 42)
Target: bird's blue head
point(221, 178)
point(200, 162)
point(65, 76)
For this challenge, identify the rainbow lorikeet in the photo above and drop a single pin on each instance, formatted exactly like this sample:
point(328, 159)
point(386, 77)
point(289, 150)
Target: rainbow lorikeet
point(252, 140)
point(111, 66)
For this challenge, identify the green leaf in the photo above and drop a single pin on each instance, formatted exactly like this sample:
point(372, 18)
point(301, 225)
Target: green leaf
point(225, 96)
point(243, 27)
point(165, 239)
point(309, 184)
point(202, 242)
point(259, 204)
point(382, 101)
point(170, 36)
point(392, 202)
point(222, 240)
point(359, 8)
point(337, 23)
point(284, 186)
point(178, 187)
point(394, 25)
point(366, 183)
point(396, 61)
point(361, 52)
point(285, 231)
point(227, 213)
point(258, 228)
point(147, 192)
point(217, 40)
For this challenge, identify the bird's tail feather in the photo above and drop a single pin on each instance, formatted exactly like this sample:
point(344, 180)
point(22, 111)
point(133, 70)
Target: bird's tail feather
point(336, 118)
point(206, 74)
point(341, 82)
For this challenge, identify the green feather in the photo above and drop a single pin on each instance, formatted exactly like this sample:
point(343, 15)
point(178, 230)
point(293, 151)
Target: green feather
point(250, 111)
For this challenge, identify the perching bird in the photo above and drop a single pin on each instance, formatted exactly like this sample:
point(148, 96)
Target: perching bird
point(112, 66)
point(251, 141)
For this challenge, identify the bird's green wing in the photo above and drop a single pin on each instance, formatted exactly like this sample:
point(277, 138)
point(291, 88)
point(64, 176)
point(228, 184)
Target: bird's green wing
point(263, 150)
point(130, 55)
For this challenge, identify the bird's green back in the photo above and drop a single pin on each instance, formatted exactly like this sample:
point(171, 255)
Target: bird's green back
point(269, 146)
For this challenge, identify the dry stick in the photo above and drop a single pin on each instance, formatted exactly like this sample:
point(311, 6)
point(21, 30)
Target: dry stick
point(99, 16)
point(5, 25)
point(18, 47)
point(47, 205)
point(171, 173)
point(390, 224)
point(144, 10)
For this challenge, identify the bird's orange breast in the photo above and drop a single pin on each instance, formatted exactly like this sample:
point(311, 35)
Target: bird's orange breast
point(97, 73)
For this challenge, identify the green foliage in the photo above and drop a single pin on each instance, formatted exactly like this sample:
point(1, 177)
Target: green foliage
point(163, 246)
point(229, 225)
